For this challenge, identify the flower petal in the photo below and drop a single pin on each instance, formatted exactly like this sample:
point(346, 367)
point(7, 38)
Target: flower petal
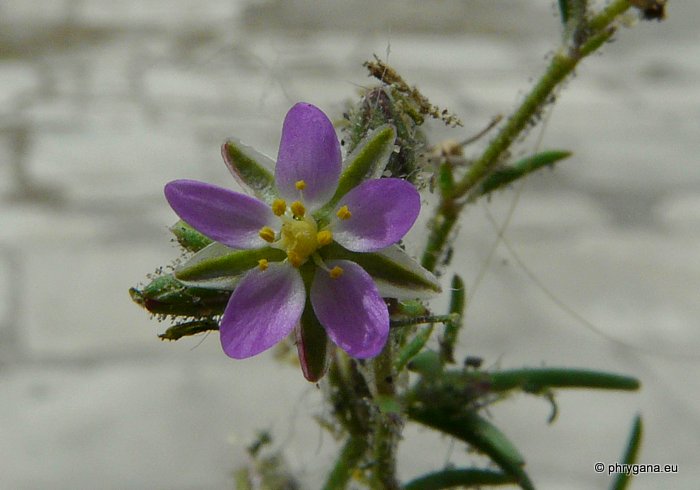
point(262, 310)
point(382, 212)
point(223, 215)
point(350, 308)
point(309, 151)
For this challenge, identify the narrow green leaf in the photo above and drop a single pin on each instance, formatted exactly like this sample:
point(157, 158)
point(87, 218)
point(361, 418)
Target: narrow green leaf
point(575, 26)
point(427, 363)
point(458, 299)
point(186, 329)
point(387, 403)
point(397, 275)
point(504, 176)
point(538, 379)
point(564, 11)
point(251, 168)
point(189, 238)
point(413, 347)
point(216, 265)
point(450, 478)
point(476, 431)
point(347, 461)
point(629, 457)
point(367, 161)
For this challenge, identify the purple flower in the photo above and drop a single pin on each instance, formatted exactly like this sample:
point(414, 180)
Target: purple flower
point(307, 217)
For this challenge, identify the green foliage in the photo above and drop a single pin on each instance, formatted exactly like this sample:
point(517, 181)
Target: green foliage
point(629, 457)
point(369, 401)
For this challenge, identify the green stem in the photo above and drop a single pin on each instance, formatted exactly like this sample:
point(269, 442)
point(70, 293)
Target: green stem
point(441, 226)
point(458, 300)
point(387, 426)
point(347, 395)
point(417, 320)
point(563, 63)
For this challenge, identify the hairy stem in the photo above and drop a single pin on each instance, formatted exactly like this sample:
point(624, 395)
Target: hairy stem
point(387, 426)
point(600, 29)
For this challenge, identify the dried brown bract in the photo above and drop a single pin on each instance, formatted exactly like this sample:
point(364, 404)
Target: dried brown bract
point(386, 74)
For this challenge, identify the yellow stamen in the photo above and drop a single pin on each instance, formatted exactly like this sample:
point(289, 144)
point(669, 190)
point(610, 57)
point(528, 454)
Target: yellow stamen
point(295, 259)
point(298, 239)
point(263, 264)
point(279, 206)
point(298, 209)
point(300, 185)
point(267, 234)
point(336, 272)
point(324, 237)
point(344, 213)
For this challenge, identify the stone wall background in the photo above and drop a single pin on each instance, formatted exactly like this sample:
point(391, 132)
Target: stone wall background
point(102, 102)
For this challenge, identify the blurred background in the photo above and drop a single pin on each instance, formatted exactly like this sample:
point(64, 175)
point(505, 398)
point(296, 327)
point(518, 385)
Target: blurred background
point(102, 102)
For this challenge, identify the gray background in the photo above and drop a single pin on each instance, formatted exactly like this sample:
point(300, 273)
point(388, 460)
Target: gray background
point(102, 102)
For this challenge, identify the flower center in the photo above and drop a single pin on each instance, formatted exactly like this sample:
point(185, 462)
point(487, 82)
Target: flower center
point(299, 236)
point(299, 239)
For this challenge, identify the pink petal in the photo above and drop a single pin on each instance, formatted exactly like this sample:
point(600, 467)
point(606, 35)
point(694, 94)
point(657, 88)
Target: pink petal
point(223, 215)
point(263, 310)
point(351, 310)
point(383, 210)
point(309, 151)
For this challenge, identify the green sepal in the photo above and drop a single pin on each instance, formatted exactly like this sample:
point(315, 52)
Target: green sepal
point(189, 238)
point(165, 295)
point(452, 478)
point(313, 344)
point(218, 266)
point(251, 168)
point(396, 274)
point(366, 161)
point(622, 480)
point(504, 176)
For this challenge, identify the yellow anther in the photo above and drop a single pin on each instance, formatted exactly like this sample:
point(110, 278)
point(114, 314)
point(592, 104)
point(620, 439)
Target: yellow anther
point(279, 206)
point(336, 272)
point(298, 209)
point(300, 185)
point(263, 264)
point(324, 237)
point(267, 234)
point(344, 213)
point(295, 259)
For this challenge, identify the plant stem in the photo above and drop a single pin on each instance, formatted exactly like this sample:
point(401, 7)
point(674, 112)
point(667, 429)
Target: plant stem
point(346, 396)
point(563, 63)
point(387, 426)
